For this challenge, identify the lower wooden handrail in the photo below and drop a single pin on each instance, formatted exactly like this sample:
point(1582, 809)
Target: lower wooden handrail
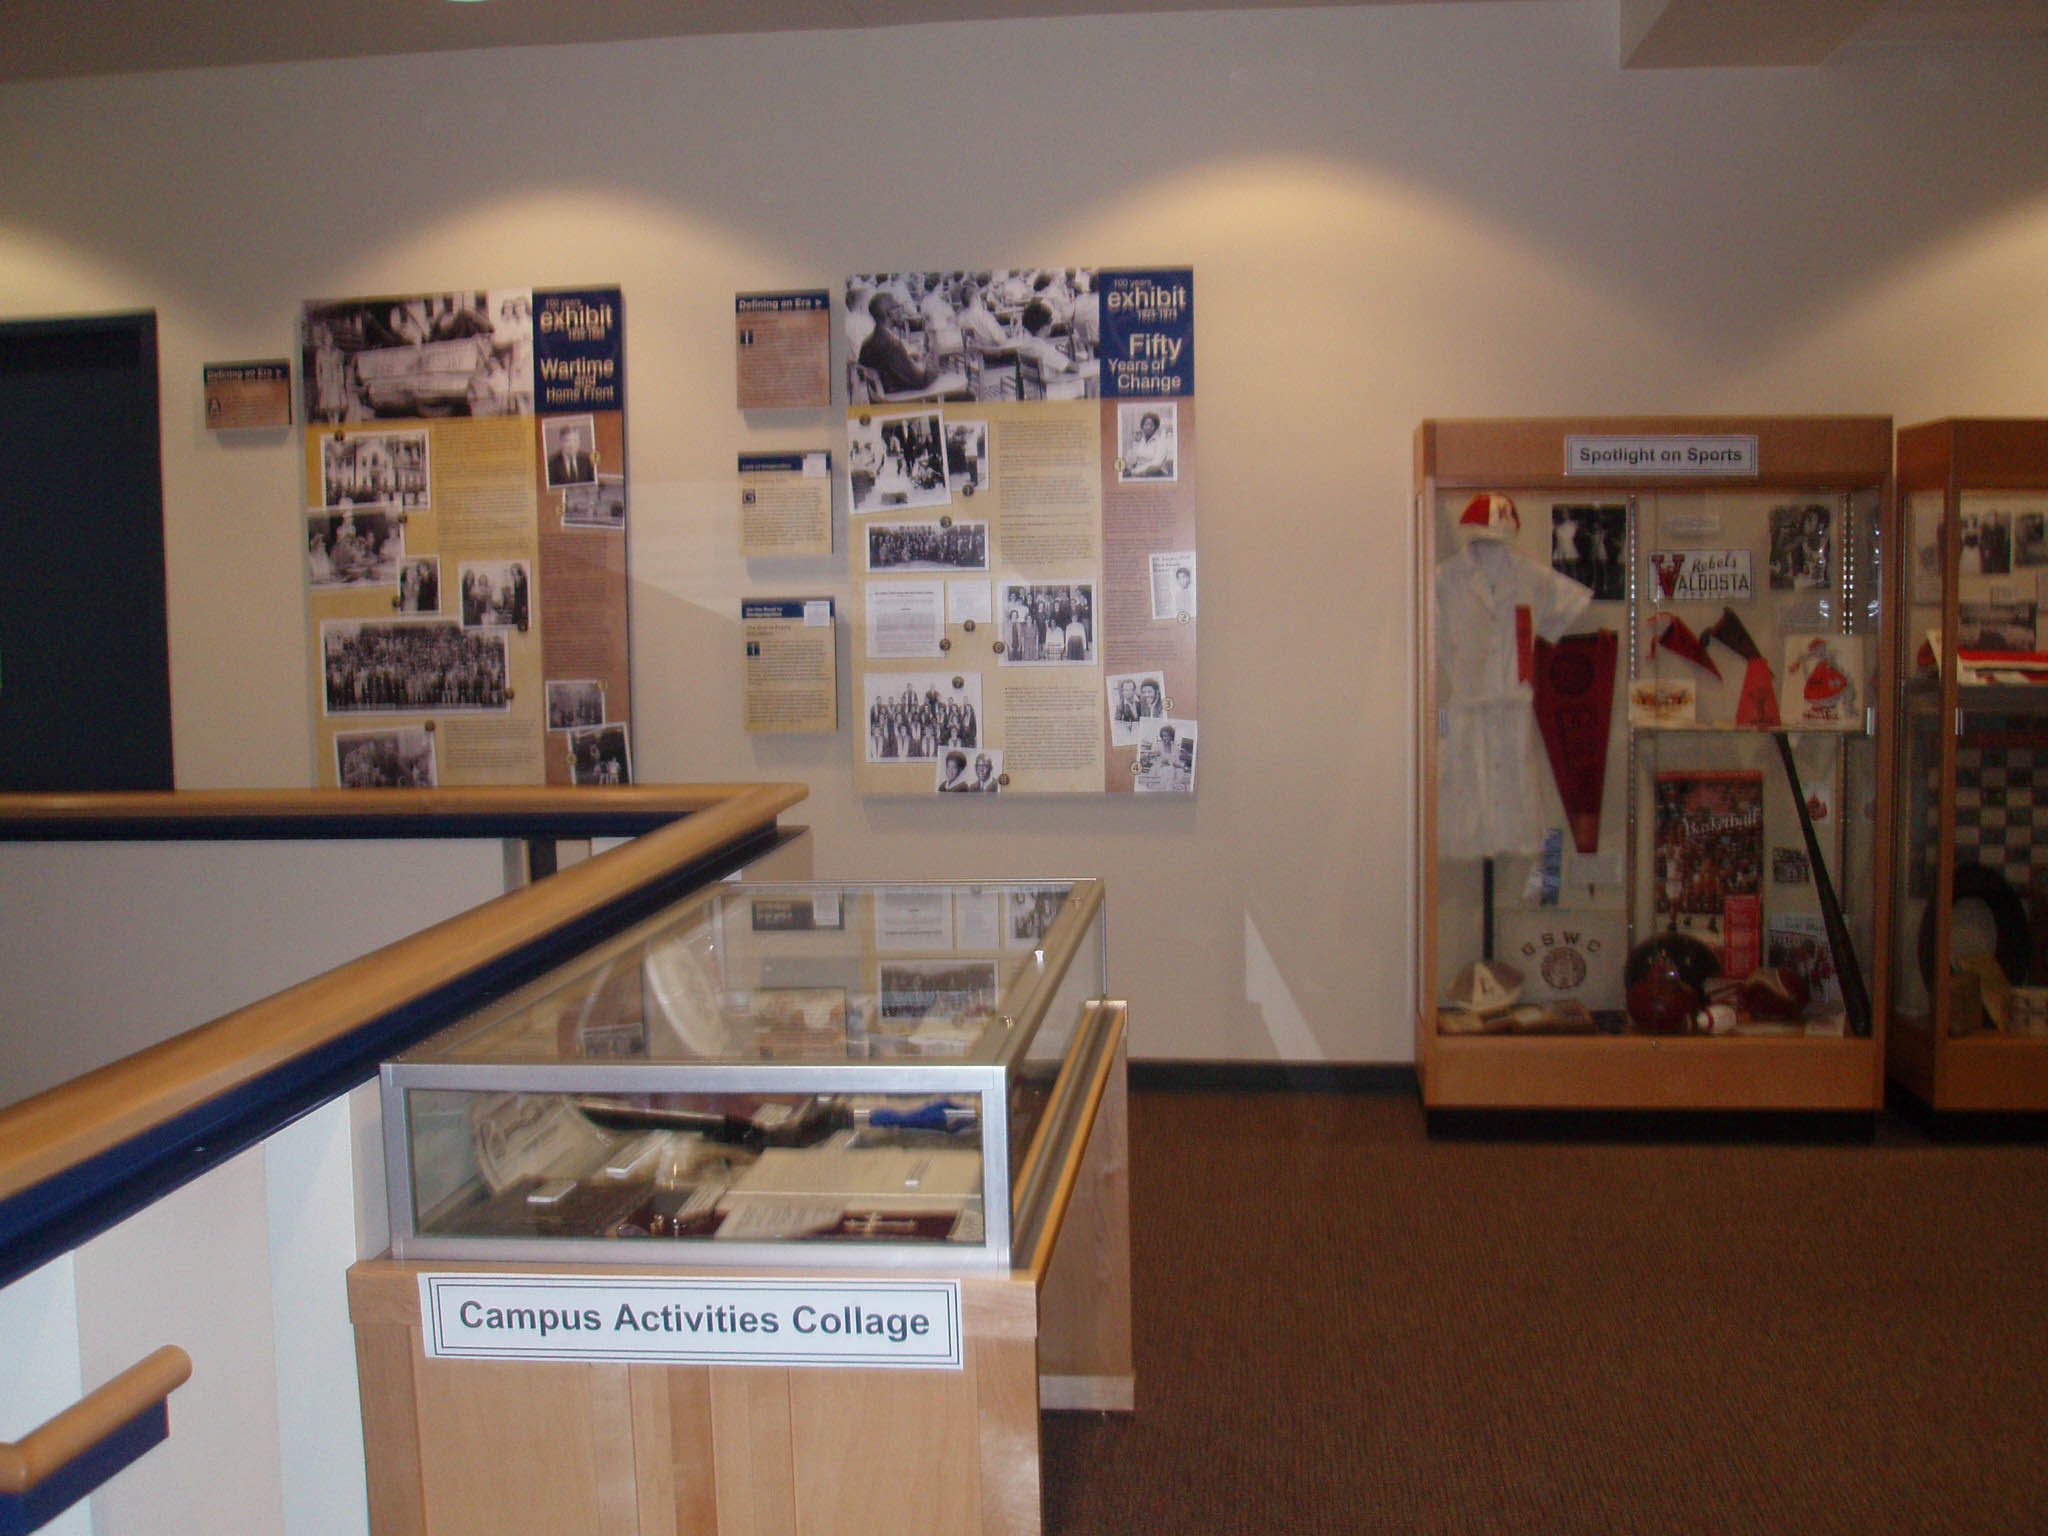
point(57, 1442)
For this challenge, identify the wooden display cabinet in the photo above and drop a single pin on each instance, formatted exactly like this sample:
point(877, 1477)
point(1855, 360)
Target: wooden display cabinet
point(501, 1448)
point(1972, 840)
point(1673, 524)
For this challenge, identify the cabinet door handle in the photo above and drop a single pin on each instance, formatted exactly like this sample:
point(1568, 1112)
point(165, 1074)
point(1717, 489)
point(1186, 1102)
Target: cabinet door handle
point(91, 1425)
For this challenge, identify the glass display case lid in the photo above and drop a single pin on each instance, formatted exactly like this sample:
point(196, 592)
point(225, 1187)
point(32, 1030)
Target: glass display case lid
point(809, 973)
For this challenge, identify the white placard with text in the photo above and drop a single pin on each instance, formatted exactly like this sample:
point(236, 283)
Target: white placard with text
point(1732, 453)
point(669, 1320)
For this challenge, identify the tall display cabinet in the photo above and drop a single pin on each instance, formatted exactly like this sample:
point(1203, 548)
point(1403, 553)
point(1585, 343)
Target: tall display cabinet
point(1636, 637)
point(1969, 977)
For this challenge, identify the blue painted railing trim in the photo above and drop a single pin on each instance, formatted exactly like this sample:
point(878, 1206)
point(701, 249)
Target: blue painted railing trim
point(35, 1508)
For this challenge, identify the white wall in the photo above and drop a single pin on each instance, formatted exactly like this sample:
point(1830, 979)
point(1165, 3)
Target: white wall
point(1393, 213)
point(245, 1269)
point(109, 947)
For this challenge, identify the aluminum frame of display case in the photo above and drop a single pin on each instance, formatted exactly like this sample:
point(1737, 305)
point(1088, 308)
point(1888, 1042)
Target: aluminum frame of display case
point(1629, 1071)
point(1949, 720)
point(1064, 968)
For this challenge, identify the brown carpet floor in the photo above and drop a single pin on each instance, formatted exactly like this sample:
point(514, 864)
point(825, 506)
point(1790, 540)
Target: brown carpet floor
point(1345, 1326)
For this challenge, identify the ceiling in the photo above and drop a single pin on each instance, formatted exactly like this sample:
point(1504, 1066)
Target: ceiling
point(54, 38)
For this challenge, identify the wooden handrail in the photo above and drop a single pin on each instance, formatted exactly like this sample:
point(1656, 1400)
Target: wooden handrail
point(51, 1445)
point(43, 1136)
point(1090, 1093)
point(45, 815)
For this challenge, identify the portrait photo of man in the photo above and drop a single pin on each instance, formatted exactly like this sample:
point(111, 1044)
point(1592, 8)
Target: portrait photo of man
point(571, 459)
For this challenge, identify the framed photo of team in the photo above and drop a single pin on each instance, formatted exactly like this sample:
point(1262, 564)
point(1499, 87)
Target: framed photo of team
point(914, 717)
point(398, 666)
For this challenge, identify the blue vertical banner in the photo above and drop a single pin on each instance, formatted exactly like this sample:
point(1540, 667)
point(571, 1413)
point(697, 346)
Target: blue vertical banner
point(1148, 333)
point(579, 350)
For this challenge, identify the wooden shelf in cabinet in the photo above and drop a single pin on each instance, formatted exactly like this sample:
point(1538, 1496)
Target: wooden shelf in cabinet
point(1729, 728)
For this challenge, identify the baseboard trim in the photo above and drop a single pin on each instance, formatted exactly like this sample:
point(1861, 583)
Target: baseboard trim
point(1088, 1394)
point(1276, 1076)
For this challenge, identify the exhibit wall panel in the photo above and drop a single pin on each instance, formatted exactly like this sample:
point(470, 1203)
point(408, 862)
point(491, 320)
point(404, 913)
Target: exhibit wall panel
point(1392, 213)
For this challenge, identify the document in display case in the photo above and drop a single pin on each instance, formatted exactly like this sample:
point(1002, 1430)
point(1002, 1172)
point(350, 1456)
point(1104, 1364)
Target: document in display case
point(1652, 773)
point(817, 1075)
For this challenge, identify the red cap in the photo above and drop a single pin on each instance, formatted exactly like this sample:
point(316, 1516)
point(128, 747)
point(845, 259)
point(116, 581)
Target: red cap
point(1490, 515)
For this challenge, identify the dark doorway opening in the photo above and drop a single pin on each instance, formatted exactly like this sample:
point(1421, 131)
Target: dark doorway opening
point(85, 683)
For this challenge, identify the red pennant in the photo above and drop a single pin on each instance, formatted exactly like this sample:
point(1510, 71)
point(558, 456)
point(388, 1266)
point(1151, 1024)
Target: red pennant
point(1731, 632)
point(1574, 701)
point(1758, 705)
point(1672, 632)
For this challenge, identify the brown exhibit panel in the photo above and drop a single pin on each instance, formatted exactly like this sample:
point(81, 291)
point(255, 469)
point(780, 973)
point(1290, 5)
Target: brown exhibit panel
point(502, 1448)
point(1729, 792)
point(1969, 1024)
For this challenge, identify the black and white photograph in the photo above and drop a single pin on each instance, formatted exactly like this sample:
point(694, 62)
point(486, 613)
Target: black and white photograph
point(1173, 585)
point(952, 546)
point(1166, 758)
point(1926, 533)
point(2029, 540)
point(945, 990)
point(394, 666)
point(600, 754)
point(965, 772)
point(569, 444)
point(1996, 626)
point(353, 549)
point(1048, 623)
point(955, 775)
point(576, 703)
point(1987, 543)
point(1799, 547)
point(1590, 545)
point(496, 594)
point(444, 354)
point(1030, 333)
point(1028, 910)
point(419, 585)
point(399, 758)
point(599, 503)
point(374, 469)
point(897, 461)
point(967, 455)
point(1147, 440)
point(1134, 697)
point(916, 717)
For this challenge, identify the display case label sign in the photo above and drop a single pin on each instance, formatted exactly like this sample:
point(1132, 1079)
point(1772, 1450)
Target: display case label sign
point(671, 1320)
point(1713, 455)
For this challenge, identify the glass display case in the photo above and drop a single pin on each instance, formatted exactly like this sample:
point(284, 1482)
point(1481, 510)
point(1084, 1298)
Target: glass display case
point(1652, 769)
point(814, 1075)
point(1969, 978)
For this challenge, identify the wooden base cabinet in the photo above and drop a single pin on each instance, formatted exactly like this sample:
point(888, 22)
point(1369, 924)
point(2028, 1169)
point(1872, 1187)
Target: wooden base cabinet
point(1645, 645)
point(1969, 980)
point(490, 1448)
point(511, 1448)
